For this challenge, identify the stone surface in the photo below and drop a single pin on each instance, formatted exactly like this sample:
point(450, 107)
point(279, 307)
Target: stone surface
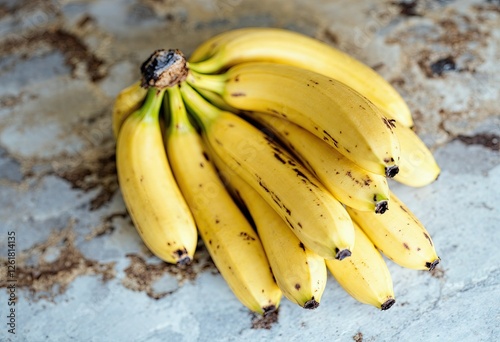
point(82, 272)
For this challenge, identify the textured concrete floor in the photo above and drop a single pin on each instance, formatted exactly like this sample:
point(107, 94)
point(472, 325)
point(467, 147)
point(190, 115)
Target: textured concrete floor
point(82, 272)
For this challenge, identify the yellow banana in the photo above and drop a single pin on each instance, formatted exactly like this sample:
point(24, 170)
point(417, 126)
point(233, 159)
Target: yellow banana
point(210, 46)
point(292, 48)
point(327, 108)
point(313, 214)
point(348, 182)
point(417, 166)
point(399, 235)
point(216, 100)
point(300, 273)
point(153, 199)
point(230, 239)
point(364, 275)
point(127, 102)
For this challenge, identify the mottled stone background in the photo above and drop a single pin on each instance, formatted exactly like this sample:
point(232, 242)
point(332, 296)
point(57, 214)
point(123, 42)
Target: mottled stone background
point(82, 272)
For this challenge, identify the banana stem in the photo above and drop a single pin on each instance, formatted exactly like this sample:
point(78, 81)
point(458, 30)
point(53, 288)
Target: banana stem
point(208, 66)
point(179, 120)
point(215, 83)
point(216, 100)
point(151, 108)
point(164, 69)
point(201, 108)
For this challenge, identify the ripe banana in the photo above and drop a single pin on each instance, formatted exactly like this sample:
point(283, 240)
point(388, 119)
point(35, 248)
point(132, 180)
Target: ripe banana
point(349, 183)
point(153, 199)
point(217, 100)
point(325, 107)
point(210, 46)
point(364, 275)
point(292, 48)
point(399, 235)
point(313, 214)
point(417, 166)
point(300, 273)
point(231, 241)
point(127, 101)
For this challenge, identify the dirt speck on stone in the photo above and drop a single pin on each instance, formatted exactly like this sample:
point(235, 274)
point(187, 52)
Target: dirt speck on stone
point(265, 322)
point(106, 227)
point(141, 275)
point(488, 140)
point(437, 273)
point(408, 8)
point(95, 168)
point(48, 279)
point(358, 337)
point(73, 48)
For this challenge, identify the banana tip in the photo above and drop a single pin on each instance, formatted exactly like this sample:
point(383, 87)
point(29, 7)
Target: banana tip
point(391, 171)
point(381, 207)
point(387, 304)
point(183, 257)
point(184, 261)
point(311, 304)
point(432, 265)
point(267, 310)
point(343, 254)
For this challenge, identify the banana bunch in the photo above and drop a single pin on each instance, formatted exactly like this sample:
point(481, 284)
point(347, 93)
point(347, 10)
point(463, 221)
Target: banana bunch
point(275, 149)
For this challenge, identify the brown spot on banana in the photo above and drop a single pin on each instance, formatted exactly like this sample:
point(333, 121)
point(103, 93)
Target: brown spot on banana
point(276, 200)
point(262, 185)
point(303, 176)
point(335, 142)
point(272, 110)
point(289, 213)
point(278, 156)
point(246, 236)
point(428, 238)
point(237, 94)
point(390, 123)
